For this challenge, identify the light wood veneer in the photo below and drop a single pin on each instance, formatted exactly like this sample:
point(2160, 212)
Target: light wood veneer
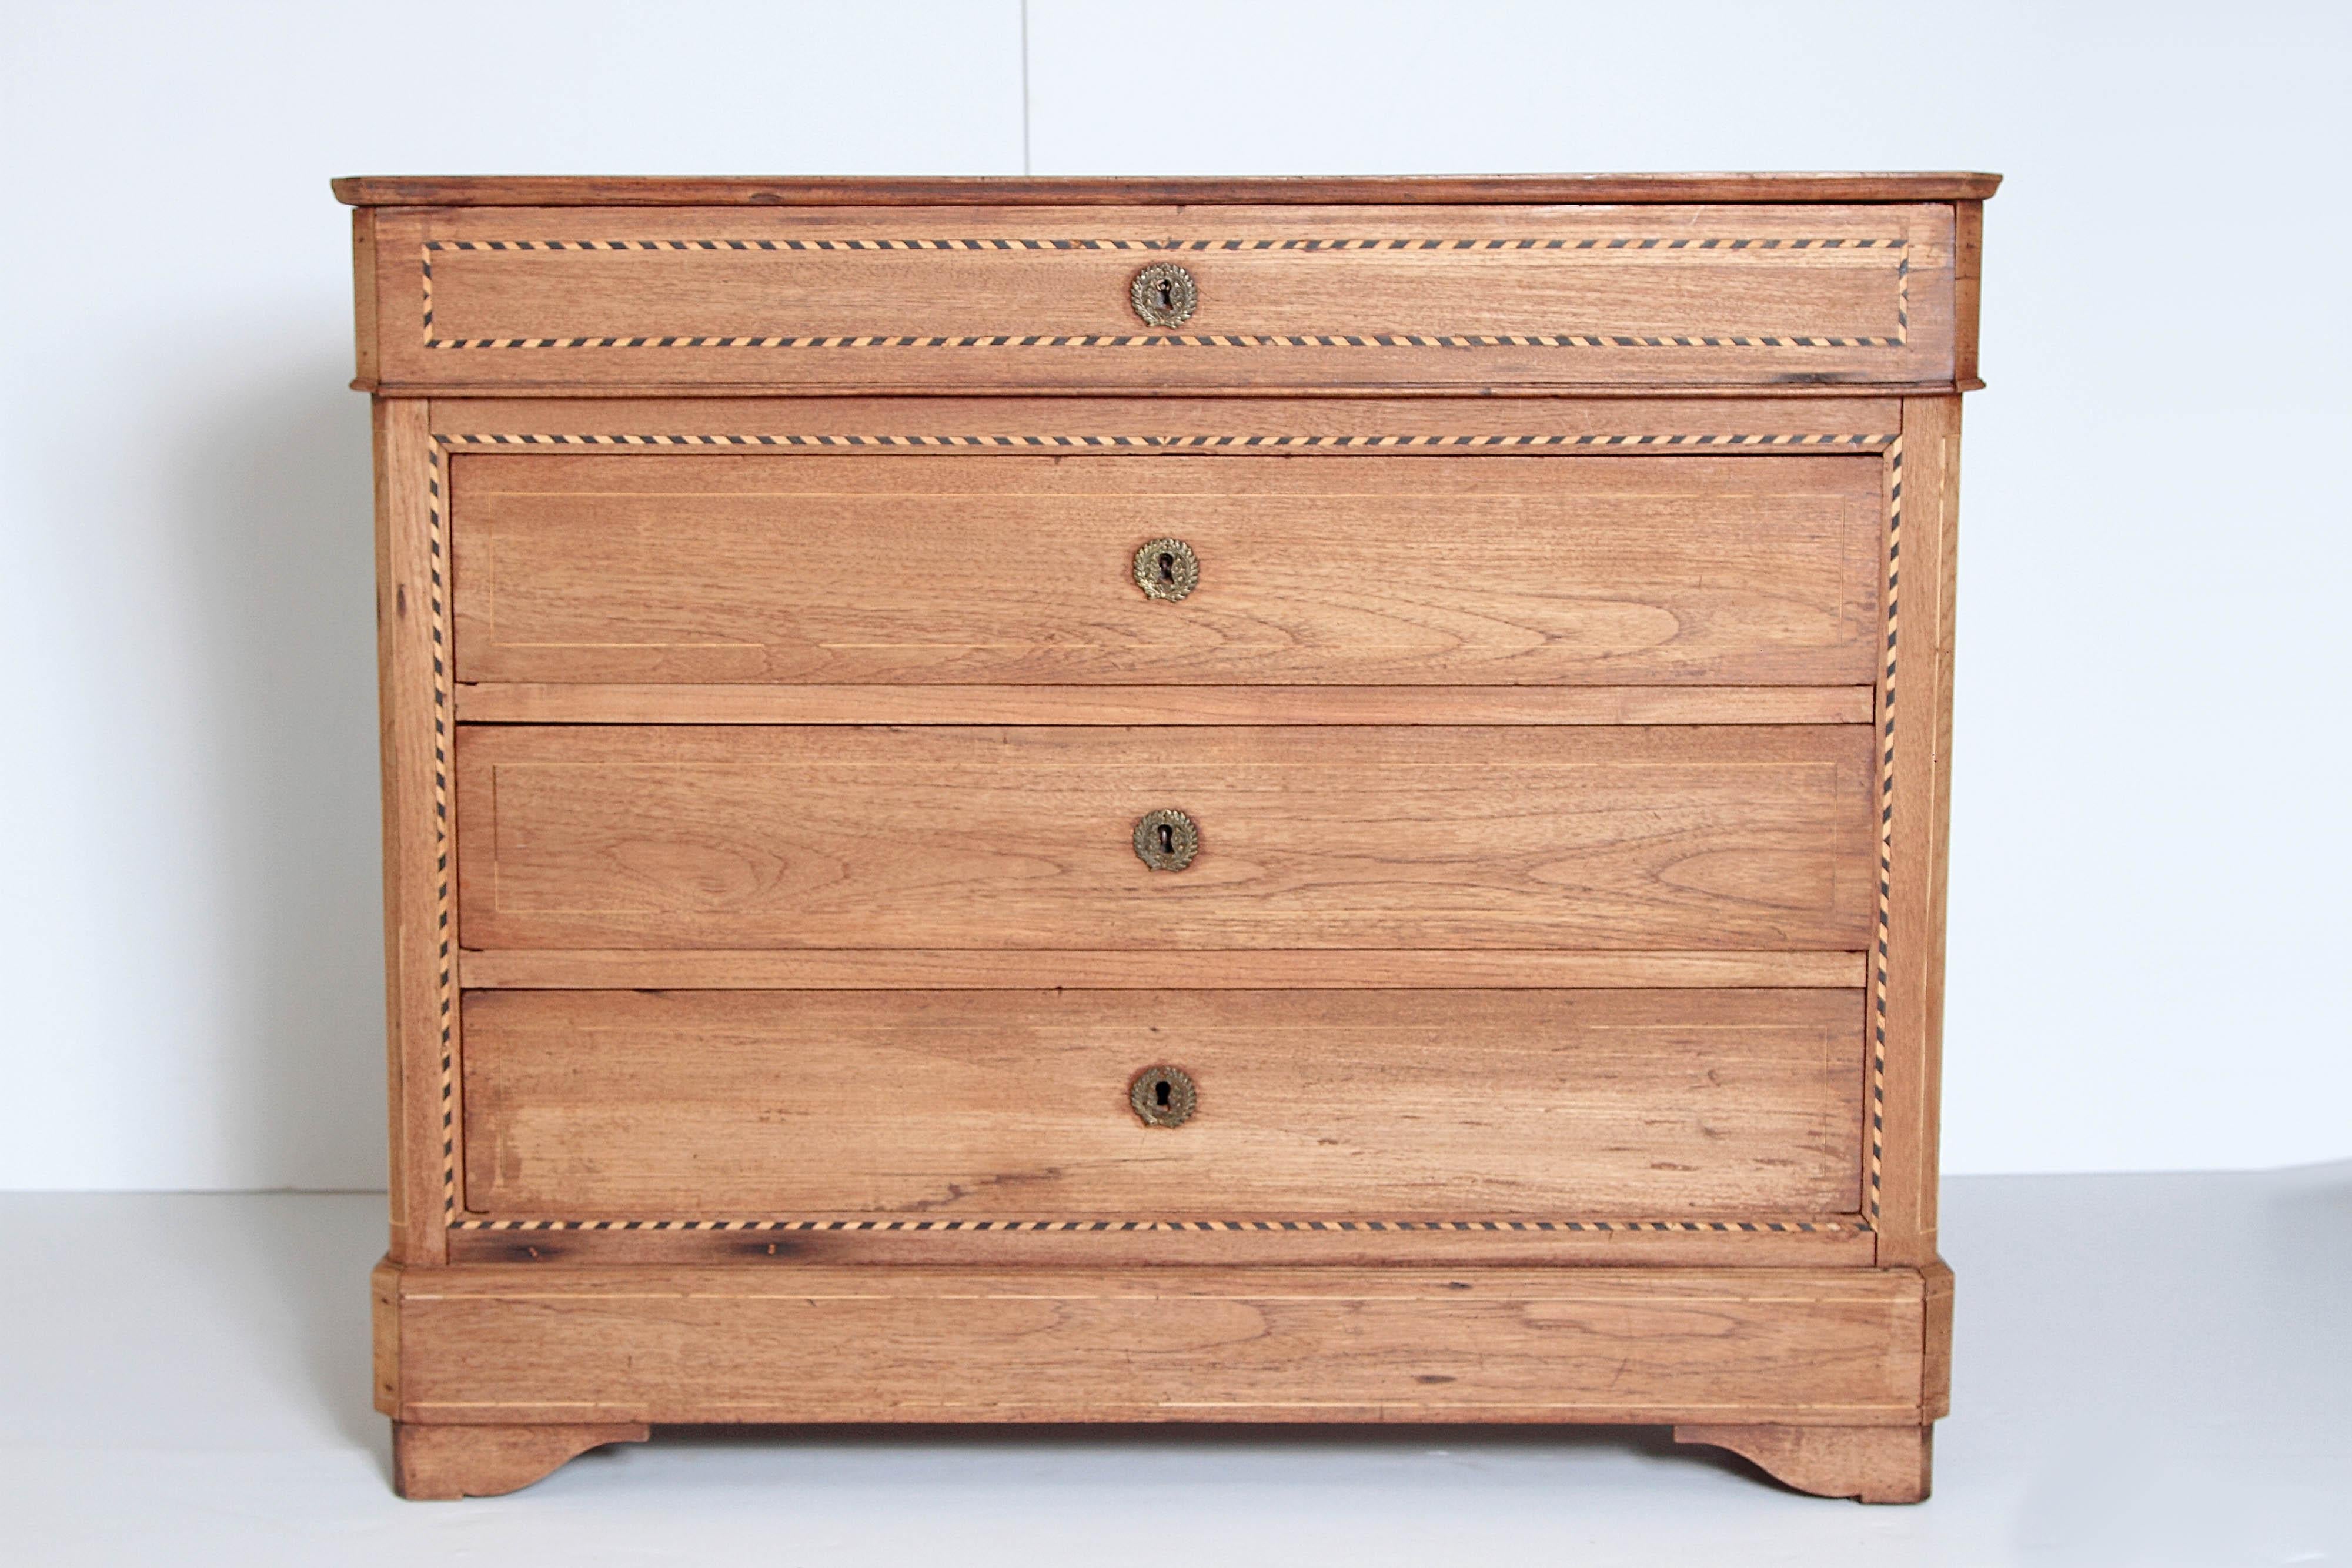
point(988, 568)
point(1312, 296)
point(1503, 837)
point(1563, 709)
point(1417, 1104)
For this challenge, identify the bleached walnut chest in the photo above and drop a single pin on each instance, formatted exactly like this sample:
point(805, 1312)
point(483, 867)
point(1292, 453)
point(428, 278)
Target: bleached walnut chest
point(1134, 801)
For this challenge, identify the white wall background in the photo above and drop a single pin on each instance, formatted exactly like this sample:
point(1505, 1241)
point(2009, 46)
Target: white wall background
point(2149, 853)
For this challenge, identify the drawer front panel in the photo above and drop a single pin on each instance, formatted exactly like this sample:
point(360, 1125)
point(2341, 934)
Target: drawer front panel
point(1044, 298)
point(1687, 837)
point(1758, 569)
point(1429, 1105)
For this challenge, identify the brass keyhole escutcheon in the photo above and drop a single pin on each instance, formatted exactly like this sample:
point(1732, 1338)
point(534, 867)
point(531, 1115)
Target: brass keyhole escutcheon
point(1166, 569)
point(1167, 840)
point(1163, 1096)
point(1164, 294)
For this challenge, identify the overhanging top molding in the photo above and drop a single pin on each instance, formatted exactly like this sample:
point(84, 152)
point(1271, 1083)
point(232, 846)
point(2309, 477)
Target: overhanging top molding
point(1535, 190)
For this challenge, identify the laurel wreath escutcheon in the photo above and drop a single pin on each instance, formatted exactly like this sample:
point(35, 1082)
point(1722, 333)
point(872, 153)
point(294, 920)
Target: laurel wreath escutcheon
point(1167, 840)
point(1164, 294)
point(1163, 1096)
point(1166, 569)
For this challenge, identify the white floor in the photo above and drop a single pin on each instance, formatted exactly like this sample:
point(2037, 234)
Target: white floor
point(2150, 1370)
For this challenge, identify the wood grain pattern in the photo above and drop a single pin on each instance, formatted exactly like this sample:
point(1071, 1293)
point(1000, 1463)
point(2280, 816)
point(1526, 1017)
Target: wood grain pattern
point(529, 702)
point(1245, 968)
point(383, 1334)
point(1435, 1104)
point(363, 304)
point(412, 736)
point(497, 1345)
point(1536, 762)
point(979, 569)
point(646, 836)
point(1633, 421)
point(1936, 1375)
point(1968, 289)
point(599, 191)
point(1921, 827)
point(1819, 1241)
point(1037, 298)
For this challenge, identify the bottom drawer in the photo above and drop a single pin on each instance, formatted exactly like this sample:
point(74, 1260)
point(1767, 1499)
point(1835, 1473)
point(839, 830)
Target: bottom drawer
point(1016, 1104)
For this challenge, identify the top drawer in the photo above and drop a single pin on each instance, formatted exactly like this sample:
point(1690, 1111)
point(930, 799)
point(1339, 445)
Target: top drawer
point(941, 297)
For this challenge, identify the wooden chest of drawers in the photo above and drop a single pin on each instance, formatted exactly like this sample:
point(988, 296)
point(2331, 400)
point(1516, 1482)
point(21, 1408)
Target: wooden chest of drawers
point(1229, 800)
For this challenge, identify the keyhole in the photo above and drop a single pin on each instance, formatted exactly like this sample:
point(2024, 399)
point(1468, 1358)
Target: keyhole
point(1167, 847)
point(1167, 566)
point(1159, 1093)
point(1167, 294)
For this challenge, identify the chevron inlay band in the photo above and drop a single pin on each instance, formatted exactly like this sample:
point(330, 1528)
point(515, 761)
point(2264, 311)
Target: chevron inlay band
point(1885, 831)
point(444, 911)
point(1709, 1227)
point(443, 697)
point(1165, 341)
point(1859, 442)
point(1661, 244)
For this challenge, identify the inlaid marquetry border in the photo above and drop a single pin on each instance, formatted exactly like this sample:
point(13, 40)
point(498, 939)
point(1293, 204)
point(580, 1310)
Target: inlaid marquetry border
point(1627, 244)
point(1648, 248)
point(444, 914)
point(1877, 1109)
point(1862, 443)
point(444, 696)
point(1225, 1226)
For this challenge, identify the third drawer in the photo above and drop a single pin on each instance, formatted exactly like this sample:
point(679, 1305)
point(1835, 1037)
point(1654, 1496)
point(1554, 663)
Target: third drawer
point(1753, 837)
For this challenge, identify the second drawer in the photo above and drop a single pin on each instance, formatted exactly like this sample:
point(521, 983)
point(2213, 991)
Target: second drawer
point(1755, 569)
point(970, 837)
